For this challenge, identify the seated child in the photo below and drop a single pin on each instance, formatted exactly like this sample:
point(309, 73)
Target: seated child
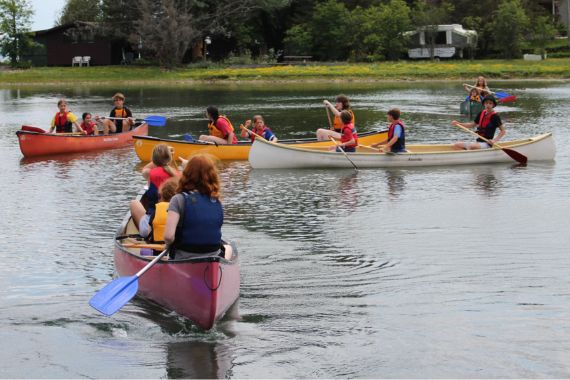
point(151, 222)
point(88, 125)
point(474, 96)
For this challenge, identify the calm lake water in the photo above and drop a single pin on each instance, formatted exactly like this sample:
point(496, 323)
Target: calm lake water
point(435, 272)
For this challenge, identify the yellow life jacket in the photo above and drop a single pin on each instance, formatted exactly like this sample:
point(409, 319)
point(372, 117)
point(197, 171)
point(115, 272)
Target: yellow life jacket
point(159, 221)
point(214, 131)
point(338, 124)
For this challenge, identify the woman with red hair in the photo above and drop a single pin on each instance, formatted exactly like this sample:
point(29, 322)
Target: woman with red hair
point(195, 214)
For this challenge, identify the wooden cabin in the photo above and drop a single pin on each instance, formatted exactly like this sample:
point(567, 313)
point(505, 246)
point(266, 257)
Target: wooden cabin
point(61, 44)
point(450, 41)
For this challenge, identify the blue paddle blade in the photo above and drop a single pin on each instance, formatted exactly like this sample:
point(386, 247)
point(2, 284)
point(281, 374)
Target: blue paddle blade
point(155, 121)
point(187, 137)
point(115, 295)
point(500, 94)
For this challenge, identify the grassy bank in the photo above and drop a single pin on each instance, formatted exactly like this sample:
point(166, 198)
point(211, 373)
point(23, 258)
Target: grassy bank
point(558, 68)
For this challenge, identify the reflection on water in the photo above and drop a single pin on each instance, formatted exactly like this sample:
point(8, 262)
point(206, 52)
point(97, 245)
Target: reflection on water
point(198, 360)
point(443, 272)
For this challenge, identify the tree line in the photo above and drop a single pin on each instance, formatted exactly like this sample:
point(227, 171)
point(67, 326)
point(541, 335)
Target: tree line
point(165, 31)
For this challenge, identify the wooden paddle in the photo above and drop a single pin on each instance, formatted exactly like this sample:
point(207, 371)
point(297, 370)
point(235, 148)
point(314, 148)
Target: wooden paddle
point(252, 132)
point(156, 247)
point(343, 152)
point(521, 158)
point(120, 291)
point(369, 147)
point(329, 117)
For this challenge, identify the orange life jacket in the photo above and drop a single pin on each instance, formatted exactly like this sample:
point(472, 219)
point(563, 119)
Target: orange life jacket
point(214, 131)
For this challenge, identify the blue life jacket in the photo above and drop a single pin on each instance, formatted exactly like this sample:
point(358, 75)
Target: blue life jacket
point(200, 230)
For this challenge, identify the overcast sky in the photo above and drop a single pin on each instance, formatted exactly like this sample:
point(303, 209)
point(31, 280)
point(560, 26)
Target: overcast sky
point(45, 13)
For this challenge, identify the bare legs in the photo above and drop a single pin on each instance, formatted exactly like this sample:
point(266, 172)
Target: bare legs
point(323, 134)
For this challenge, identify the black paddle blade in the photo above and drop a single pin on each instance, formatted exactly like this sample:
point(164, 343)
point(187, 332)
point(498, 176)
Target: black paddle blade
point(521, 158)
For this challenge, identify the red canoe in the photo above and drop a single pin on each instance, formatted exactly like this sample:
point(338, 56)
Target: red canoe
point(34, 143)
point(201, 290)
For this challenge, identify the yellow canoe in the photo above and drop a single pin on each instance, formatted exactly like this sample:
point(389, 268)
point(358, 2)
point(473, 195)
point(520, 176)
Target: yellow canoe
point(240, 151)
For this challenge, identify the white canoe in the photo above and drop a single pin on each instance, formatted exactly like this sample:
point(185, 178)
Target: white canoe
point(266, 155)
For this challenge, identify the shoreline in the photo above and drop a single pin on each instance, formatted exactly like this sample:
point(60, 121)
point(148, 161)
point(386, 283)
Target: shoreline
point(166, 82)
point(555, 69)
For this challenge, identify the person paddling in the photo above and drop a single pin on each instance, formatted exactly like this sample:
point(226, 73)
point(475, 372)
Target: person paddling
point(64, 120)
point(480, 86)
point(487, 122)
point(259, 128)
point(120, 119)
point(341, 104)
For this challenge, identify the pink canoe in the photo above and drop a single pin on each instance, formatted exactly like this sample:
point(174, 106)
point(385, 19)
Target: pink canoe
point(201, 289)
point(35, 142)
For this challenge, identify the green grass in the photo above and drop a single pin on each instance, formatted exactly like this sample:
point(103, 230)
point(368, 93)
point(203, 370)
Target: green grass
point(558, 68)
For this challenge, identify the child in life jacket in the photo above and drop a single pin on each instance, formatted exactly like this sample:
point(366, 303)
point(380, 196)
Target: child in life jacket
point(151, 222)
point(157, 171)
point(259, 128)
point(474, 96)
point(64, 120)
point(487, 122)
point(348, 136)
point(88, 125)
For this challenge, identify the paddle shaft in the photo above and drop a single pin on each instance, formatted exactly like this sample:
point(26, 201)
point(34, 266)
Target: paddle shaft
point(154, 261)
point(144, 245)
point(519, 157)
point(329, 116)
point(252, 132)
point(470, 86)
point(343, 152)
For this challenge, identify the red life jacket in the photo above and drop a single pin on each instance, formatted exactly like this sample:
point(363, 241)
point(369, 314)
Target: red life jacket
point(157, 176)
point(484, 121)
point(62, 125)
point(344, 138)
point(399, 145)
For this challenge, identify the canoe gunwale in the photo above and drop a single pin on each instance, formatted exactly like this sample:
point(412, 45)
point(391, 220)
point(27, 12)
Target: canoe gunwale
point(304, 140)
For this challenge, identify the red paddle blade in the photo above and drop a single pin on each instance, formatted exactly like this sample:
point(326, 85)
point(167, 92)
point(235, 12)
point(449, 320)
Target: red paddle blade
point(32, 129)
point(516, 155)
point(506, 99)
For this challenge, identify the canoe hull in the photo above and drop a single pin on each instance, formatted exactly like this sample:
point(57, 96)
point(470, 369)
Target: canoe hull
point(33, 144)
point(200, 290)
point(240, 151)
point(264, 155)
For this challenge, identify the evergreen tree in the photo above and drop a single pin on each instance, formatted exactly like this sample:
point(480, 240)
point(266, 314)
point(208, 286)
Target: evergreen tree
point(80, 10)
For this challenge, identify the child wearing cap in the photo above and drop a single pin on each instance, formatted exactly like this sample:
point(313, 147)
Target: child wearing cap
point(487, 122)
point(120, 119)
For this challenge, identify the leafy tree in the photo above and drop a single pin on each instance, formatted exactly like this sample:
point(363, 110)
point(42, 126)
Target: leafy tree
point(80, 10)
point(298, 40)
point(366, 28)
point(510, 24)
point(544, 30)
point(119, 18)
point(396, 20)
point(15, 21)
point(167, 28)
point(331, 26)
